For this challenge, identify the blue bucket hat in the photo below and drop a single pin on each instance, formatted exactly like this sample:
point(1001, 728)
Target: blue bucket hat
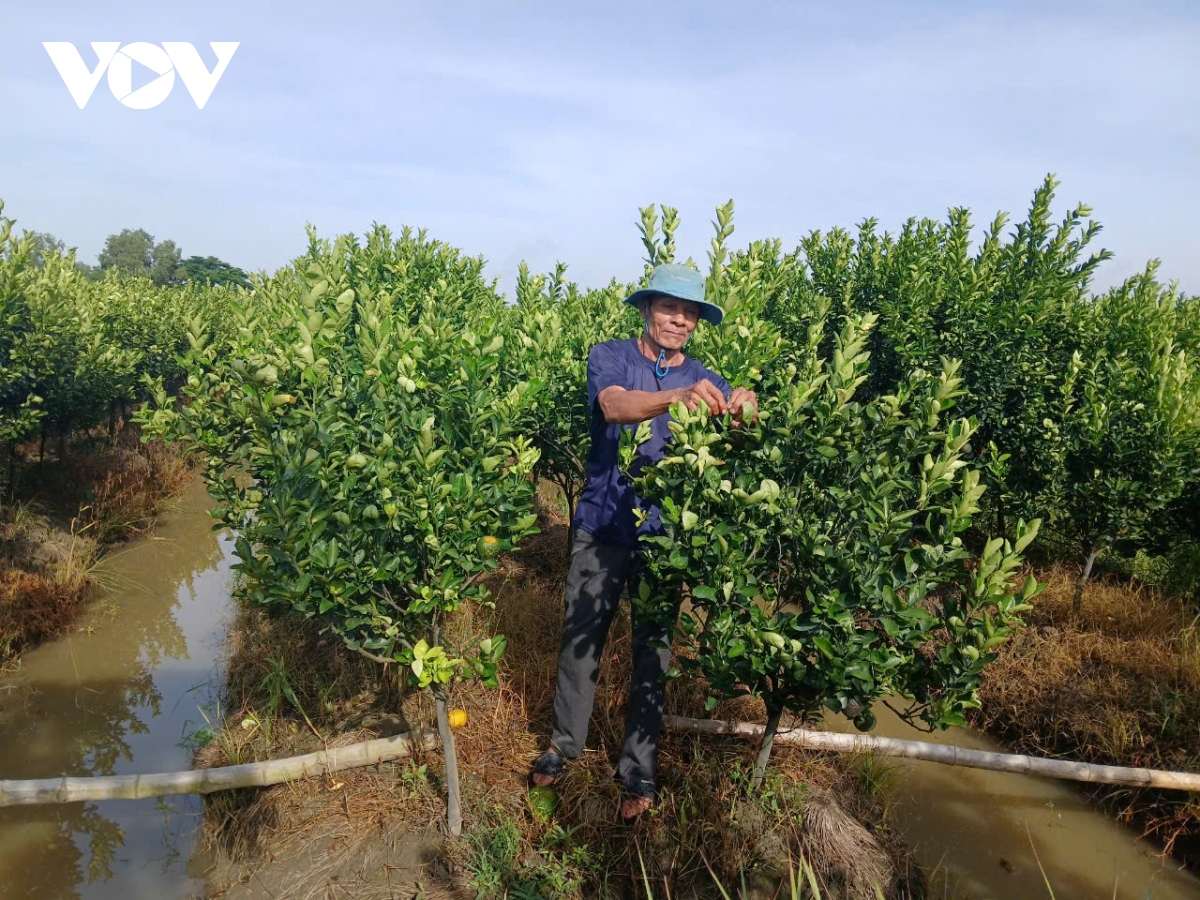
point(674, 280)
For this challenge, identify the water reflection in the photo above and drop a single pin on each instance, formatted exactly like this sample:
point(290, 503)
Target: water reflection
point(55, 852)
point(117, 697)
point(999, 834)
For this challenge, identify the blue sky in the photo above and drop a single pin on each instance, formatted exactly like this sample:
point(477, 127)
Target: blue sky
point(535, 131)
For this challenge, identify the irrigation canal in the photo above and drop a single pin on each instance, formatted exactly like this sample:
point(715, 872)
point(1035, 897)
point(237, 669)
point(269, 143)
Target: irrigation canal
point(120, 695)
point(124, 692)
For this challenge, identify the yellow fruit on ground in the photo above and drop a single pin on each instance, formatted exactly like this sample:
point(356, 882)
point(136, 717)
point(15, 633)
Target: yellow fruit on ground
point(458, 718)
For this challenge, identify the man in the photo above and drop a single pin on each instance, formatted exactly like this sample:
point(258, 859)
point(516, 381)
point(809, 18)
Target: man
point(629, 382)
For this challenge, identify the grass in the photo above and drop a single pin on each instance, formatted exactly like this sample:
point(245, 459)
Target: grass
point(1117, 684)
point(707, 830)
point(66, 515)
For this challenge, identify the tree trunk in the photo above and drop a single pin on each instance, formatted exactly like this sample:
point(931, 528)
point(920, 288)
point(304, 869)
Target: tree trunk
point(1077, 600)
point(453, 791)
point(42, 447)
point(572, 501)
point(11, 487)
point(569, 496)
point(764, 747)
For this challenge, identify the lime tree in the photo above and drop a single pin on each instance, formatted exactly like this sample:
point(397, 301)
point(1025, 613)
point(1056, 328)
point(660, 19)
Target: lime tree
point(820, 549)
point(362, 438)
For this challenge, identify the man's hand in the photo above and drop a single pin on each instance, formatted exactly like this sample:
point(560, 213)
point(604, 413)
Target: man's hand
point(626, 407)
point(738, 399)
point(702, 390)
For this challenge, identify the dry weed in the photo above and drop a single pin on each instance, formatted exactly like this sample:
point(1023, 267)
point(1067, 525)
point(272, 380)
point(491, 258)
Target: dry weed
point(51, 538)
point(48, 549)
point(34, 608)
point(1117, 683)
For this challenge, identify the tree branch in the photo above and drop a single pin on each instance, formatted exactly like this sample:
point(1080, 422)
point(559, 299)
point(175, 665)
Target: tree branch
point(371, 656)
point(910, 717)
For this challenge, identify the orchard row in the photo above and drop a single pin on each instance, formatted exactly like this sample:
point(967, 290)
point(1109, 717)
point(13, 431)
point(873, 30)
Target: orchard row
point(373, 421)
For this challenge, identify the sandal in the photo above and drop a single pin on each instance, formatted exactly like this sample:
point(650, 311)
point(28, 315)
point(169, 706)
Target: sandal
point(638, 799)
point(550, 765)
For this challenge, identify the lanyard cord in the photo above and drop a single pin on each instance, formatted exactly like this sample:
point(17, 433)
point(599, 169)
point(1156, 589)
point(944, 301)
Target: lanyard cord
point(661, 363)
point(661, 367)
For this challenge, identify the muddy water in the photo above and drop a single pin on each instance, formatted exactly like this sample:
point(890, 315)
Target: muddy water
point(985, 832)
point(119, 696)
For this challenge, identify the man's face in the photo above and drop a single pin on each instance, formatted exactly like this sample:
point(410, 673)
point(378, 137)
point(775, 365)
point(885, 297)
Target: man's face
point(671, 321)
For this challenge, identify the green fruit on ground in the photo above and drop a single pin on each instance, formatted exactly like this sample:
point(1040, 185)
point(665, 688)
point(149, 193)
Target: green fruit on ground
point(543, 801)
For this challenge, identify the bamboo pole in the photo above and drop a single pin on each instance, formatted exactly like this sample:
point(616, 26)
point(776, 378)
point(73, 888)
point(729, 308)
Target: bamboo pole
point(366, 753)
point(949, 755)
point(205, 781)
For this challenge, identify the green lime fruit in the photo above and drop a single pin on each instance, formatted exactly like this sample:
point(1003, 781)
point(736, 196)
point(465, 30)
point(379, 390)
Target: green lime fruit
point(543, 801)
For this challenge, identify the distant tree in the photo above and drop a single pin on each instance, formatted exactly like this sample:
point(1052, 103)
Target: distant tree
point(212, 270)
point(164, 268)
point(136, 253)
point(130, 252)
point(43, 243)
point(95, 273)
